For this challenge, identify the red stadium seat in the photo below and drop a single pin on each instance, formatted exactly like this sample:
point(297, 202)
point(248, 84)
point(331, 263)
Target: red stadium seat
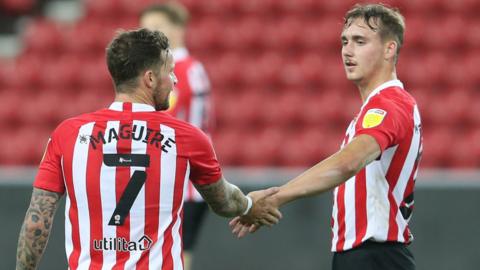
point(227, 145)
point(242, 34)
point(42, 37)
point(288, 38)
point(322, 34)
point(258, 8)
point(436, 150)
point(17, 7)
point(443, 34)
point(261, 148)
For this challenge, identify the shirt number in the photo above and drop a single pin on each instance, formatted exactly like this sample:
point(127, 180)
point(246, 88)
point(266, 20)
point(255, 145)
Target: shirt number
point(134, 186)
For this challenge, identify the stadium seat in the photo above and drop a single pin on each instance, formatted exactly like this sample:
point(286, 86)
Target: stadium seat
point(17, 7)
point(439, 30)
point(42, 37)
point(321, 34)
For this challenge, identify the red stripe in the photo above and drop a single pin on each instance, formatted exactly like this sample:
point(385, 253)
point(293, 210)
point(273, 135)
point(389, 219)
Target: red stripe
point(341, 217)
point(127, 107)
point(73, 211)
point(152, 199)
point(124, 146)
point(360, 206)
point(181, 167)
point(94, 164)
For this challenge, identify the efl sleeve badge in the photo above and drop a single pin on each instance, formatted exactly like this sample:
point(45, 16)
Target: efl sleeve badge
point(373, 118)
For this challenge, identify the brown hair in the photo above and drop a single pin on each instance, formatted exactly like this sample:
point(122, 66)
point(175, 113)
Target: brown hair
point(175, 12)
point(132, 52)
point(388, 21)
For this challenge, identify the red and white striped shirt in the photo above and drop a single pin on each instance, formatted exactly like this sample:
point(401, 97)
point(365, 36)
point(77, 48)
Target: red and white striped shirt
point(190, 100)
point(125, 170)
point(377, 203)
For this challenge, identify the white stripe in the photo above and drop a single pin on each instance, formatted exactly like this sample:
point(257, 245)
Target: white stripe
point(335, 220)
point(137, 212)
point(108, 196)
point(177, 239)
point(378, 205)
point(167, 183)
point(79, 173)
point(68, 222)
point(407, 170)
point(350, 214)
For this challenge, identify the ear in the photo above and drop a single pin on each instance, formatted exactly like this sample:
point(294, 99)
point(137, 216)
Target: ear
point(148, 79)
point(390, 49)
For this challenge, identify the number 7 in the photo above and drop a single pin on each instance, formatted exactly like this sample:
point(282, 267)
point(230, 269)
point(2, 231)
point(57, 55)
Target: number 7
point(134, 184)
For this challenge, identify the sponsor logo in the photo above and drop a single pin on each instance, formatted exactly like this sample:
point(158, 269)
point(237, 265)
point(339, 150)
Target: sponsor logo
point(373, 118)
point(122, 245)
point(124, 160)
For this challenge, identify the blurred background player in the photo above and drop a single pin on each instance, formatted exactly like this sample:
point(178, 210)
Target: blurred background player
point(190, 101)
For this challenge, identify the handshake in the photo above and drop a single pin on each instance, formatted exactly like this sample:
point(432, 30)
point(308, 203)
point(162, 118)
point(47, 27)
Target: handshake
point(263, 212)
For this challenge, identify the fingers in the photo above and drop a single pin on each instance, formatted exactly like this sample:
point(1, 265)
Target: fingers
point(269, 220)
point(253, 228)
point(234, 222)
point(243, 231)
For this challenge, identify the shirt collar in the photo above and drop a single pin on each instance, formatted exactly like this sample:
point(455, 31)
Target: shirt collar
point(179, 54)
point(385, 85)
point(135, 107)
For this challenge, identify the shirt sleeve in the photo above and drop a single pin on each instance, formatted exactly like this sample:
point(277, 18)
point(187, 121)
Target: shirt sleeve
point(204, 166)
point(383, 120)
point(50, 175)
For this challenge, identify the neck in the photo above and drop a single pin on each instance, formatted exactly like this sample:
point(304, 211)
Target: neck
point(135, 97)
point(367, 87)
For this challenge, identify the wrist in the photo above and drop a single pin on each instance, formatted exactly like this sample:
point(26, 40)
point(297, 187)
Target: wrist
point(249, 205)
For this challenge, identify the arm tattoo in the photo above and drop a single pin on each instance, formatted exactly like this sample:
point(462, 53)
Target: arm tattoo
point(36, 228)
point(225, 199)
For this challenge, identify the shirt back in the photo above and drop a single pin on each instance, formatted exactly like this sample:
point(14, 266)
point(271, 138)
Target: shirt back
point(124, 171)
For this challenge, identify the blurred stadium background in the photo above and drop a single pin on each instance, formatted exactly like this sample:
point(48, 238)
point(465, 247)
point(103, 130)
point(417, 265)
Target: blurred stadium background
point(282, 103)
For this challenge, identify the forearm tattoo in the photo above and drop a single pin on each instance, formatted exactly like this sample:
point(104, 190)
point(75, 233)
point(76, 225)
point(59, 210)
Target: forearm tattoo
point(224, 198)
point(36, 228)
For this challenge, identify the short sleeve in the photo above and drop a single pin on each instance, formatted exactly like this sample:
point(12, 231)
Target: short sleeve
point(383, 120)
point(50, 176)
point(204, 166)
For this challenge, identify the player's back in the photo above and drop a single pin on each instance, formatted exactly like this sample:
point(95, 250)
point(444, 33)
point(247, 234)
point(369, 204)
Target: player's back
point(125, 169)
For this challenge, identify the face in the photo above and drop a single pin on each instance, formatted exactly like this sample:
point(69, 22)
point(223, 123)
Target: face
point(362, 51)
point(157, 21)
point(164, 83)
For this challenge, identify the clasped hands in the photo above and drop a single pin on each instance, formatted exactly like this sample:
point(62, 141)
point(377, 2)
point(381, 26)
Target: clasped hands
point(264, 212)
